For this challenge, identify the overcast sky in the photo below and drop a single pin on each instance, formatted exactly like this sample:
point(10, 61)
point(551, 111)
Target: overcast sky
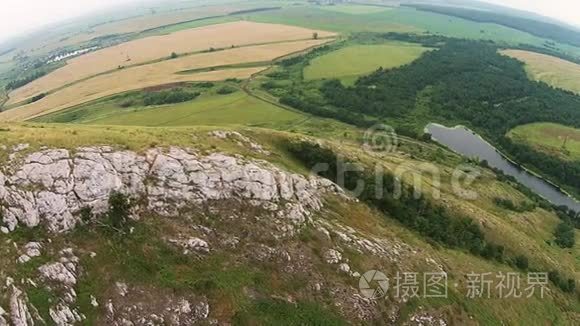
point(17, 16)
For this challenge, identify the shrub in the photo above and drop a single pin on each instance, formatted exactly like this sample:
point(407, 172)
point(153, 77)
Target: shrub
point(564, 234)
point(226, 90)
point(270, 85)
point(278, 74)
point(126, 103)
point(119, 211)
point(206, 85)
point(521, 262)
point(86, 214)
point(510, 205)
point(169, 97)
point(566, 285)
point(37, 97)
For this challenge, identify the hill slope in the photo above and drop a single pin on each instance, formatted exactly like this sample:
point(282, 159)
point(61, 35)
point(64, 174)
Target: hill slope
point(225, 227)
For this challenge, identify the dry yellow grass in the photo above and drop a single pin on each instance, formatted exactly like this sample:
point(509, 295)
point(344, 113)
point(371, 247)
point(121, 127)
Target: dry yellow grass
point(156, 47)
point(158, 73)
point(549, 69)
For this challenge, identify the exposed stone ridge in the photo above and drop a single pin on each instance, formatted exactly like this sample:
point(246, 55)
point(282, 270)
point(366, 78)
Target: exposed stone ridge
point(49, 187)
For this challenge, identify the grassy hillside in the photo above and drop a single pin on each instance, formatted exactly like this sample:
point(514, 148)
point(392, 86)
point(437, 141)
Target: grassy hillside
point(349, 63)
point(211, 108)
point(144, 259)
point(550, 138)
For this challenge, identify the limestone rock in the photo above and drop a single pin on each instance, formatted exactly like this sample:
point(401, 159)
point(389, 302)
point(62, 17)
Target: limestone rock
point(19, 311)
point(344, 268)
point(64, 271)
point(192, 244)
point(63, 315)
point(51, 186)
point(332, 256)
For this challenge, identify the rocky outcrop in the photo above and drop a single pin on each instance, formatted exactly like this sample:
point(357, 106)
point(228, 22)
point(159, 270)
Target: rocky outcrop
point(62, 276)
point(50, 187)
point(148, 306)
point(19, 310)
point(63, 271)
point(31, 250)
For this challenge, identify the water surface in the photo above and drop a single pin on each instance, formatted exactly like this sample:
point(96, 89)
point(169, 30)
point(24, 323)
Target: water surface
point(468, 143)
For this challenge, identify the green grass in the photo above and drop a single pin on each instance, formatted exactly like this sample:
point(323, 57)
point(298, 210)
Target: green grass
point(318, 18)
point(211, 108)
point(356, 9)
point(550, 138)
point(232, 109)
point(351, 62)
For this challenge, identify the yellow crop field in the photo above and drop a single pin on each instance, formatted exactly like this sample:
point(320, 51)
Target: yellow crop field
point(549, 69)
point(159, 73)
point(156, 47)
point(85, 92)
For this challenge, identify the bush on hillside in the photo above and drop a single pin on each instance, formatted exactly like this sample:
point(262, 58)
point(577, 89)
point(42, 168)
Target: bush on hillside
point(169, 97)
point(119, 211)
point(226, 90)
point(564, 234)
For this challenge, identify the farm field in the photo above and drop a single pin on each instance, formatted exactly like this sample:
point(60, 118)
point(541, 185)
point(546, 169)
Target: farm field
point(402, 20)
point(86, 91)
point(135, 19)
point(141, 23)
point(160, 73)
point(549, 69)
point(348, 63)
point(550, 138)
point(157, 47)
point(211, 110)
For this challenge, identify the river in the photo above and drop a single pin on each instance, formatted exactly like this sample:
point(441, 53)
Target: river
point(468, 143)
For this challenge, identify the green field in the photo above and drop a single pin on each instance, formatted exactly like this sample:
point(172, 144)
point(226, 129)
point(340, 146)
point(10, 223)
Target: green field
point(349, 63)
point(400, 20)
point(209, 109)
point(550, 138)
point(187, 25)
point(356, 9)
